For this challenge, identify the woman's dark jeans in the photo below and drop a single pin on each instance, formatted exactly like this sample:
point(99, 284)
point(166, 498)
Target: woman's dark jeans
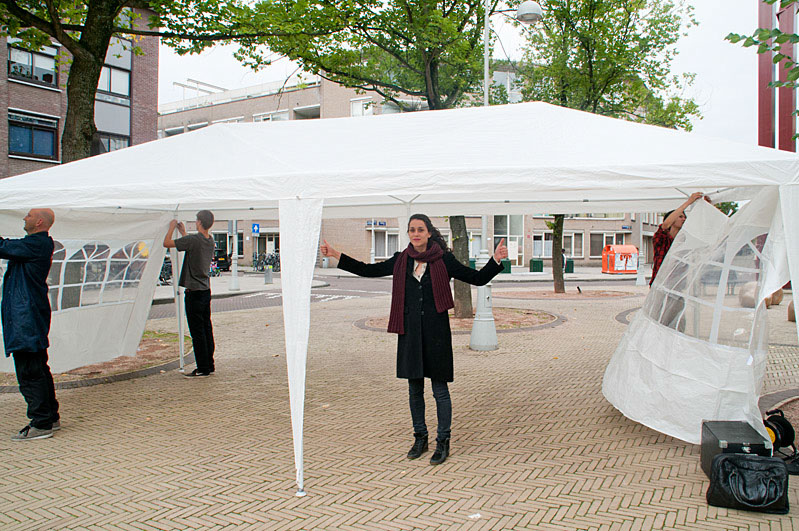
point(443, 406)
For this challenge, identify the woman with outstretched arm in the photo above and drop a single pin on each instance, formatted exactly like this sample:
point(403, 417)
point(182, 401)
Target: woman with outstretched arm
point(420, 300)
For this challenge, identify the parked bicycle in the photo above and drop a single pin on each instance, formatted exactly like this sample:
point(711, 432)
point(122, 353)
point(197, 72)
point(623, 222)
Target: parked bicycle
point(165, 276)
point(273, 259)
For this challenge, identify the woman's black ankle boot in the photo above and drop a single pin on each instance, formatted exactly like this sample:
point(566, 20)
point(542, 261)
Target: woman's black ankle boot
point(419, 446)
point(441, 453)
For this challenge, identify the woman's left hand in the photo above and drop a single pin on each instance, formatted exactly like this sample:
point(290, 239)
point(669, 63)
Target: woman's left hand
point(501, 252)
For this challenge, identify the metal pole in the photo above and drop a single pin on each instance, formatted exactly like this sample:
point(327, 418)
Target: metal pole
point(174, 256)
point(640, 278)
point(372, 252)
point(234, 263)
point(484, 331)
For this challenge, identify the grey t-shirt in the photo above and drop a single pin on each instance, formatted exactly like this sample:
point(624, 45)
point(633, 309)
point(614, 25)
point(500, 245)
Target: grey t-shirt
point(197, 262)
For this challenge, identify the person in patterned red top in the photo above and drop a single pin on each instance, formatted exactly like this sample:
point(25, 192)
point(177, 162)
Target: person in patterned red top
point(667, 231)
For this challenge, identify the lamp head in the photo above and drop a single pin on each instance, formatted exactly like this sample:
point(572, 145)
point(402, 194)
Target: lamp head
point(529, 12)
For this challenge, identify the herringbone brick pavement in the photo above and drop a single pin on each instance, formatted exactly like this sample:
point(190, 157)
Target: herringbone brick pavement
point(535, 445)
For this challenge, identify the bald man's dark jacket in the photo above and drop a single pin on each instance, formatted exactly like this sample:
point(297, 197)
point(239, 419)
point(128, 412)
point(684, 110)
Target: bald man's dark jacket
point(25, 307)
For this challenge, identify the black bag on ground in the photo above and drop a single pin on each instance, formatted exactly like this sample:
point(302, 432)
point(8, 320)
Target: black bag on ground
point(749, 482)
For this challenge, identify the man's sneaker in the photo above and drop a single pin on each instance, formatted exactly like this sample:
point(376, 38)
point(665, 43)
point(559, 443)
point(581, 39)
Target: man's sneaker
point(196, 374)
point(56, 425)
point(28, 433)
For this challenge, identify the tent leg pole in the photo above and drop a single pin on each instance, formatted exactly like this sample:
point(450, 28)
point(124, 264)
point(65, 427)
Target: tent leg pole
point(175, 257)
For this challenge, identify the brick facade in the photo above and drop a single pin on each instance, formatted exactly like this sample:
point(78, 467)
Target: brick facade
point(51, 102)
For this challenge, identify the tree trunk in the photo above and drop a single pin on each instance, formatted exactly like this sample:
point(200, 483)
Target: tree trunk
point(557, 254)
point(88, 57)
point(460, 248)
point(79, 128)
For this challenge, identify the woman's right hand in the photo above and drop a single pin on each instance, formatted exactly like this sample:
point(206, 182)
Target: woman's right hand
point(327, 250)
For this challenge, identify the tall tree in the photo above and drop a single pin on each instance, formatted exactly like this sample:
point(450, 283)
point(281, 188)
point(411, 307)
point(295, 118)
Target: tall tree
point(407, 52)
point(611, 58)
point(85, 30)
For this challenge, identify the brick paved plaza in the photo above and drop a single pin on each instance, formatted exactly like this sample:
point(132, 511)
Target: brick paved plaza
point(535, 445)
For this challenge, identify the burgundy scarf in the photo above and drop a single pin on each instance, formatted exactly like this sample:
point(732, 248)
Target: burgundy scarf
point(438, 271)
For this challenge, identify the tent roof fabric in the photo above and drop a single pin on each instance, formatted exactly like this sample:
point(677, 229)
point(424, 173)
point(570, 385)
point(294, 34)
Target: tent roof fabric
point(505, 158)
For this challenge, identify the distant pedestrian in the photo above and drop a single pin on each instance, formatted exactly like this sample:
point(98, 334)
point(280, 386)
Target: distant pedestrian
point(26, 321)
point(194, 276)
point(420, 300)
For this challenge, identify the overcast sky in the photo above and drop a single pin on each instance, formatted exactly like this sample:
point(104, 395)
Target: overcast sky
point(725, 86)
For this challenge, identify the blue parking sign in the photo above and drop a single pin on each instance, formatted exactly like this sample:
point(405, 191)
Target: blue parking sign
point(256, 228)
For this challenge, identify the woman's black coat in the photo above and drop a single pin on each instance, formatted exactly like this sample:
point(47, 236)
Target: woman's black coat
point(425, 349)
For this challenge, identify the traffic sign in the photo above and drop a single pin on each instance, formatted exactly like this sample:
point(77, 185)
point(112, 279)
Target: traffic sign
point(256, 228)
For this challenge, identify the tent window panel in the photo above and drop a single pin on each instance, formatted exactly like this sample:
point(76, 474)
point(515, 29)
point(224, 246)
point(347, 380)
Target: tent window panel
point(129, 290)
point(135, 270)
point(53, 294)
point(90, 294)
point(54, 277)
point(59, 253)
point(116, 270)
point(74, 272)
point(112, 292)
point(70, 297)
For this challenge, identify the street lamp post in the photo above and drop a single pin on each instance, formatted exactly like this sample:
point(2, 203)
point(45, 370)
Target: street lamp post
point(484, 331)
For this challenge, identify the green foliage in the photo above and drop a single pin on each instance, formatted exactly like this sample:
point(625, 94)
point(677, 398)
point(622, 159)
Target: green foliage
point(429, 50)
point(728, 207)
point(770, 40)
point(611, 58)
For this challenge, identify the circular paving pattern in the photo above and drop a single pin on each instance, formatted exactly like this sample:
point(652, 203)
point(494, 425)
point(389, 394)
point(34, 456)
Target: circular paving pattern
point(505, 320)
point(571, 294)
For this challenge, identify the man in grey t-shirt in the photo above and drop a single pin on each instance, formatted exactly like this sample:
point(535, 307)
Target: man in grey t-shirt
point(199, 250)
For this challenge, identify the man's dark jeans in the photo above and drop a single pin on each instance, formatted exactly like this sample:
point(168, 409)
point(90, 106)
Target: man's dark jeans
point(37, 387)
point(198, 314)
point(443, 406)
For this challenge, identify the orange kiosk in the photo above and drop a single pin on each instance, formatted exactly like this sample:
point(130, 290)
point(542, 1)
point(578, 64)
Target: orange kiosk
point(620, 259)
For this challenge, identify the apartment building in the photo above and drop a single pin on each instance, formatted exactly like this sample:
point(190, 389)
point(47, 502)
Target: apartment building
point(33, 102)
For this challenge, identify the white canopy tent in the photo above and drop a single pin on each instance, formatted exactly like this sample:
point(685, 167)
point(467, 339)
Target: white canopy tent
point(523, 158)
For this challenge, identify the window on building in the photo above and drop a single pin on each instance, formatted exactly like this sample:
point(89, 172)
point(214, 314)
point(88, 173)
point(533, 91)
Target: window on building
point(573, 244)
point(220, 241)
point(542, 245)
point(510, 227)
point(113, 142)
point(33, 66)
point(386, 243)
point(361, 107)
point(598, 241)
point(32, 135)
point(277, 116)
point(236, 120)
point(114, 81)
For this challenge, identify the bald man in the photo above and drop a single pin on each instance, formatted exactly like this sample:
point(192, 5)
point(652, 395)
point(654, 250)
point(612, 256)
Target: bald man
point(25, 310)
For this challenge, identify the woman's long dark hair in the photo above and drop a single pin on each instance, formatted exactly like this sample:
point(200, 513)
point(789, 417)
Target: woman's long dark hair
point(435, 235)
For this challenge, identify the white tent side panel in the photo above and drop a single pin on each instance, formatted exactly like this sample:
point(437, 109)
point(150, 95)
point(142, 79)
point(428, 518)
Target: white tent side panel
point(300, 223)
point(789, 201)
point(696, 351)
point(101, 283)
